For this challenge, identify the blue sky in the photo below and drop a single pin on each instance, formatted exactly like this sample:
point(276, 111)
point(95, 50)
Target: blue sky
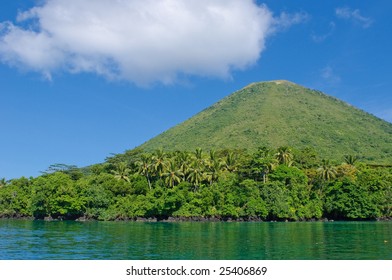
point(82, 79)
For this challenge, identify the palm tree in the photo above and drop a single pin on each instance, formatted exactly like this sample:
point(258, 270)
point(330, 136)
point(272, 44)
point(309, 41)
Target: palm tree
point(263, 163)
point(183, 161)
point(347, 170)
point(214, 168)
point(159, 161)
point(173, 174)
point(199, 156)
point(265, 166)
point(231, 163)
point(144, 167)
point(196, 173)
point(213, 156)
point(199, 153)
point(327, 171)
point(121, 172)
point(350, 159)
point(284, 155)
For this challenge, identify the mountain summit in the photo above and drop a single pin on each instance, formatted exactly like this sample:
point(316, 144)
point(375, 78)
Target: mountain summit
point(281, 113)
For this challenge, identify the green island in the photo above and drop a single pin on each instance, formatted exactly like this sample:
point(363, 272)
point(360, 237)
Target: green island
point(282, 184)
point(271, 151)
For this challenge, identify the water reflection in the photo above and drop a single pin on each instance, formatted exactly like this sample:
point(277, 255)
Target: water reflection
point(133, 240)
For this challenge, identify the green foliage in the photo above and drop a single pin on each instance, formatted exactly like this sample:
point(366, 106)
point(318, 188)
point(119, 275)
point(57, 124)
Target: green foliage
point(94, 196)
point(286, 153)
point(55, 195)
point(251, 202)
point(306, 157)
point(282, 114)
point(346, 199)
point(289, 175)
point(378, 183)
point(276, 198)
point(15, 198)
point(226, 184)
point(72, 170)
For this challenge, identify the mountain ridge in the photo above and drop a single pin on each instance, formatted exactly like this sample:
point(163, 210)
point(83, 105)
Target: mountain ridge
point(281, 113)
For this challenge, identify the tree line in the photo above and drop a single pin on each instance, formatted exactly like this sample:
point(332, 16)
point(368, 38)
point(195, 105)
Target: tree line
point(267, 184)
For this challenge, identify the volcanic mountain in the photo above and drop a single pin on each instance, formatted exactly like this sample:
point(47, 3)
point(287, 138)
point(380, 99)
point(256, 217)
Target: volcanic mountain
point(281, 113)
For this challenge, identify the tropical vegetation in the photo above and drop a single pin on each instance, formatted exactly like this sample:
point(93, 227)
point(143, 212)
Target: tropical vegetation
point(282, 114)
point(271, 151)
point(267, 184)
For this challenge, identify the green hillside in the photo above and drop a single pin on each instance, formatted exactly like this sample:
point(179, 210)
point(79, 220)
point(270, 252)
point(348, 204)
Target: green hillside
point(259, 184)
point(281, 113)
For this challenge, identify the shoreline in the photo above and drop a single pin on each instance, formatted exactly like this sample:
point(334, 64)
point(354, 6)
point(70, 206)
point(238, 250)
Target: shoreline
point(194, 219)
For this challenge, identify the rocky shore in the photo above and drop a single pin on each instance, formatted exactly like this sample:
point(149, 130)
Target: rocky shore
point(183, 219)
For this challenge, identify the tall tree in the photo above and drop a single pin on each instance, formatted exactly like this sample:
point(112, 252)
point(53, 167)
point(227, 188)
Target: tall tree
point(284, 155)
point(122, 171)
point(144, 167)
point(263, 163)
point(214, 169)
point(213, 155)
point(231, 162)
point(196, 173)
point(199, 156)
point(327, 171)
point(172, 174)
point(263, 166)
point(350, 159)
point(159, 161)
point(183, 160)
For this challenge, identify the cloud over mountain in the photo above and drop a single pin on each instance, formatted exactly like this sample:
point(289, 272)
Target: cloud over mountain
point(138, 41)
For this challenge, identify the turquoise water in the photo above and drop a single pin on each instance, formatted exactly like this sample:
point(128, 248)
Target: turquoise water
point(39, 240)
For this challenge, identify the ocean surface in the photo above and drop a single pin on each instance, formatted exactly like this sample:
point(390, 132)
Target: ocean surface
point(59, 240)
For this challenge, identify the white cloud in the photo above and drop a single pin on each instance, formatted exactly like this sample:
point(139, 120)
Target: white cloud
point(140, 41)
point(286, 20)
point(323, 37)
point(354, 15)
point(329, 75)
